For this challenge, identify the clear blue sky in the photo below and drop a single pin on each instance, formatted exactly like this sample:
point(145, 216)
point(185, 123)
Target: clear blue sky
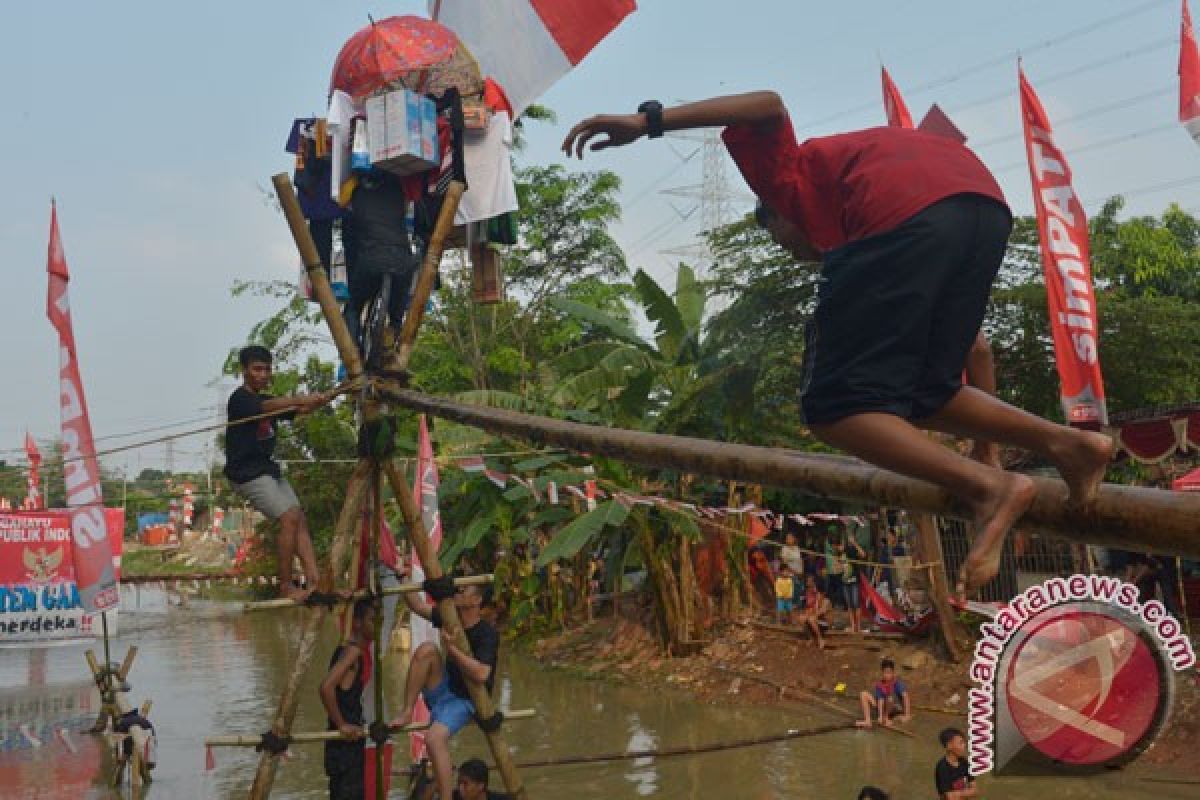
point(155, 125)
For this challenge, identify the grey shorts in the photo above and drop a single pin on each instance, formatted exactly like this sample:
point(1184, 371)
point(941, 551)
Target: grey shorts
point(270, 495)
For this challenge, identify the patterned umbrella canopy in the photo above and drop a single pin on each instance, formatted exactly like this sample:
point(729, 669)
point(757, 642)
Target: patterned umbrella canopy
point(407, 51)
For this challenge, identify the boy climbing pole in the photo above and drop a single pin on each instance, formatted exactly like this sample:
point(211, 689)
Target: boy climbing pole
point(443, 681)
point(256, 476)
point(910, 229)
point(341, 694)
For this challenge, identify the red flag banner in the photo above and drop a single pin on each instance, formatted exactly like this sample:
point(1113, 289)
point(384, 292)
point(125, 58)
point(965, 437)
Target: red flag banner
point(94, 572)
point(1063, 229)
point(1189, 76)
point(33, 497)
point(426, 490)
point(893, 104)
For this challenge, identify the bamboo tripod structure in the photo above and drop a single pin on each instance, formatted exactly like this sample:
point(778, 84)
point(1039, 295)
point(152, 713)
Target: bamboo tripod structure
point(111, 682)
point(366, 486)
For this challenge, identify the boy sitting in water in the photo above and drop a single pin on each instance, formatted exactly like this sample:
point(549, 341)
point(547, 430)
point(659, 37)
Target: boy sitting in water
point(911, 229)
point(341, 694)
point(890, 696)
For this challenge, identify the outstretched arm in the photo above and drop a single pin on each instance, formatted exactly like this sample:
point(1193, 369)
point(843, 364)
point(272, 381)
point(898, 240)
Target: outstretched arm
point(752, 108)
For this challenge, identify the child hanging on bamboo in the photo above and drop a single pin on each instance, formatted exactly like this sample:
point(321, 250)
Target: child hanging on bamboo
point(911, 229)
point(341, 694)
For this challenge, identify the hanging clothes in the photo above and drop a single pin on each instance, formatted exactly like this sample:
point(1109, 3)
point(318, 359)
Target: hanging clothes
point(487, 159)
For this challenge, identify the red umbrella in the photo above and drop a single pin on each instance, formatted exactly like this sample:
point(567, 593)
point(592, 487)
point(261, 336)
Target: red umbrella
point(385, 52)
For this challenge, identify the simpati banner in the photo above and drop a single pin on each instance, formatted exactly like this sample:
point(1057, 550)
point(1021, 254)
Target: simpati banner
point(1063, 230)
point(39, 598)
point(93, 557)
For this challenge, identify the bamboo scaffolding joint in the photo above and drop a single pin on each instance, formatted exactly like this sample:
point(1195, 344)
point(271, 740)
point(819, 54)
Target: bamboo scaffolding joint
point(329, 736)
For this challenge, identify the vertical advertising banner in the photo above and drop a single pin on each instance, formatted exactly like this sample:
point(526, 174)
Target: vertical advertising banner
point(93, 565)
point(39, 597)
point(1063, 229)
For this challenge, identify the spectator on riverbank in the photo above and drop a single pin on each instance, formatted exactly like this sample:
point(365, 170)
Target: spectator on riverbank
point(785, 592)
point(951, 776)
point(848, 572)
point(790, 554)
point(890, 695)
point(816, 605)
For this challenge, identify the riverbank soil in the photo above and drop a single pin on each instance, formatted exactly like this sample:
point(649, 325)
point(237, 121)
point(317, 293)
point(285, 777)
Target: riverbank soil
point(755, 662)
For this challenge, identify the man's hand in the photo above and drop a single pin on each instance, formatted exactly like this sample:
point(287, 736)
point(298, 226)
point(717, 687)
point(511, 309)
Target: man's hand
point(349, 731)
point(620, 129)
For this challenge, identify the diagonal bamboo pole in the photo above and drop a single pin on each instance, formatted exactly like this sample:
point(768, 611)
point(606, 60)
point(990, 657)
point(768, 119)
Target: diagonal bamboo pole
point(452, 627)
point(929, 551)
point(424, 285)
point(1120, 516)
point(347, 349)
point(377, 650)
point(281, 725)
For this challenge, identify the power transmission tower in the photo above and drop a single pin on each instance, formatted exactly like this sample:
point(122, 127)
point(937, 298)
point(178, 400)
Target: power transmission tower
point(717, 201)
point(169, 457)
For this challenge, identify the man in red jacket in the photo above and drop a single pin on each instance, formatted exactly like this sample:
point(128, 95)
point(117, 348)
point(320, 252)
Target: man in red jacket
point(910, 229)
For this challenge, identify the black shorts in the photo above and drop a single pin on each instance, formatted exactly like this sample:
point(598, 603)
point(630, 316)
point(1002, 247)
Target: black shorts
point(344, 762)
point(897, 313)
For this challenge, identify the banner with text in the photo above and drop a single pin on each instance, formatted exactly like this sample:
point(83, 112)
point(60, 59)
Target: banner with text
point(39, 600)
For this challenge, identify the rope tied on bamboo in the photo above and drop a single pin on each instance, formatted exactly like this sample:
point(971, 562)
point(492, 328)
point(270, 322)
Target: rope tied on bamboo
point(490, 724)
point(379, 732)
point(325, 599)
point(273, 743)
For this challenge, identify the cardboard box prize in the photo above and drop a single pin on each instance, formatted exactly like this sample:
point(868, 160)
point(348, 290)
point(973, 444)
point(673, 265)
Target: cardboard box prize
point(402, 132)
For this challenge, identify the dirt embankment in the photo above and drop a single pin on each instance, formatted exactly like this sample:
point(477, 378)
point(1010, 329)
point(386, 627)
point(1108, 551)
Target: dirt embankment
point(754, 662)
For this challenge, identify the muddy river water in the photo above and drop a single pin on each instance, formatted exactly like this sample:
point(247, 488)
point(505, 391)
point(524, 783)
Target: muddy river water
point(211, 669)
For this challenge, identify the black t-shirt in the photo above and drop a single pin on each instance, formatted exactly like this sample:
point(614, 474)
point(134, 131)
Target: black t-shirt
point(485, 648)
point(950, 778)
point(490, 795)
point(249, 446)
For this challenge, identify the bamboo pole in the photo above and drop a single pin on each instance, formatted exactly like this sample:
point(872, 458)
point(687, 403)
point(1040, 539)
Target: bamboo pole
point(127, 664)
point(281, 724)
point(347, 349)
point(424, 285)
point(329, 736)
point(452, 627)
point(929, 551)
point(1120, 516)
point(387, 591)
point(377, 650)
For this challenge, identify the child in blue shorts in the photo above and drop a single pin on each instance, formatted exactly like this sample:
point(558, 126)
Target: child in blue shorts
point(785, 591)
point(889, 696)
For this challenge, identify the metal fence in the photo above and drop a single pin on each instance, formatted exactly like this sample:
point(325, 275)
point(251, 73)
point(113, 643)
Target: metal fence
point(1027, 558)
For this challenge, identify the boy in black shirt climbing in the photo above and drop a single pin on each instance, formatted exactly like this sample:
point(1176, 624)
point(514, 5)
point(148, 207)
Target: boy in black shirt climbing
point(255, 475)
point(341, 694)
point(443, 682)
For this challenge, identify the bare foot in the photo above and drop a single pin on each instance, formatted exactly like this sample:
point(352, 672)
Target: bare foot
point(1082, 463)
point(993, 519)
point(986, 453)
point(862, 723)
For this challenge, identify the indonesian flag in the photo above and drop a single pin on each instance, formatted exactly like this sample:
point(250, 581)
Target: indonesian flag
point(1063, 230)
point(893, 104)
point(33, 498)
point(1189, 77)
point(527, 45)
point(426, 489)
point(93, 556)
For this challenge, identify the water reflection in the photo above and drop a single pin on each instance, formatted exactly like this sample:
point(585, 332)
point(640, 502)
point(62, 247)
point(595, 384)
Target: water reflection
point(211, 669)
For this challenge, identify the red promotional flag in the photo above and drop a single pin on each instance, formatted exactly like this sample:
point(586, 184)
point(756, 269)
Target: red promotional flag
point(94, 572)
point(893, 104)
point(527, 45)
point(33, 497)
point(1189, 77)
point(1063, 230)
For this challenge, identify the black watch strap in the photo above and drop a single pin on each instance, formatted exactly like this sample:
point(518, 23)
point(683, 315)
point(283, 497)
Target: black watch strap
point(654, 122)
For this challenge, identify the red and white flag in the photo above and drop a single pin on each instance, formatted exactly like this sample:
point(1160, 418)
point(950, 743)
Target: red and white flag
point(893, 104)
point(1063, 229)
point(93, 556)
point(33, 496)
point(426, 489)
point(527, 45)
point(1189, 76)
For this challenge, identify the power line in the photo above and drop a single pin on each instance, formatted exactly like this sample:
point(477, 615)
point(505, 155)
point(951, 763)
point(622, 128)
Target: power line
point(1095, 111)
point(1169, 126)
point(995, 61)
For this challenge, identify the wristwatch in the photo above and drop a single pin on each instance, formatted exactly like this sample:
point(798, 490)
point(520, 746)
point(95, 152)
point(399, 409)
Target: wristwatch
point(653, 111)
